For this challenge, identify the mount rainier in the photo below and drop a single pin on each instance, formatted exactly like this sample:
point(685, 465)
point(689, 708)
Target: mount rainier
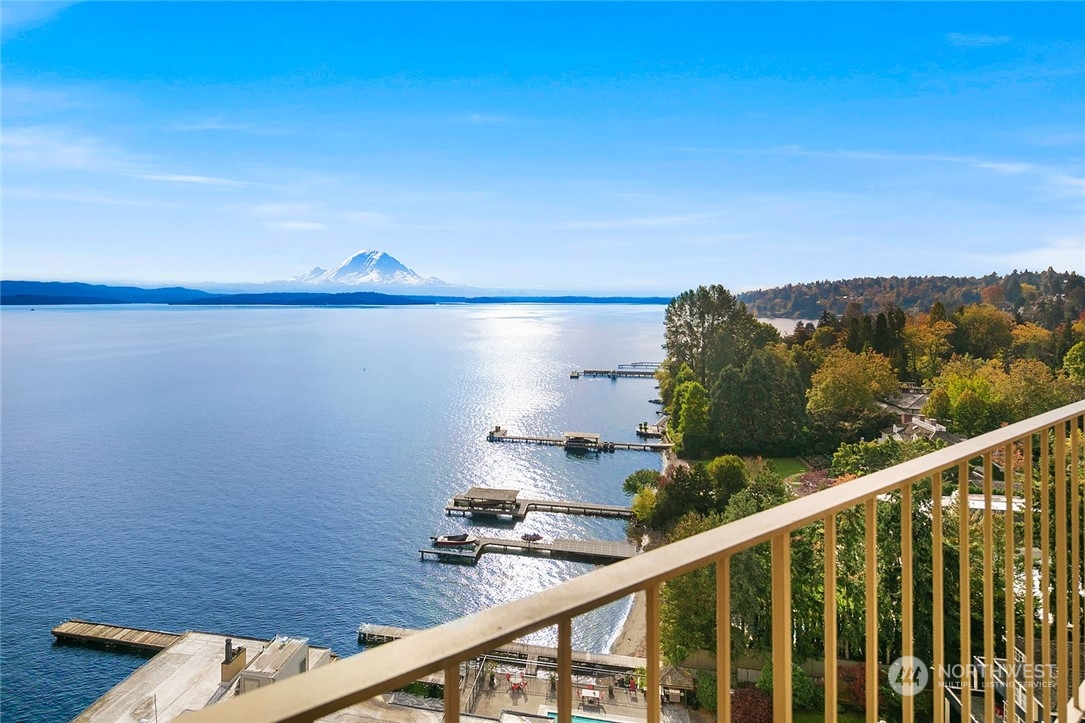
point(367, 268)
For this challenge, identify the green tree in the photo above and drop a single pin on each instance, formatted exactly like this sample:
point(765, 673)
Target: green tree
point(708, 329)
point(683, 490)
point(693, 420)
point(687, 614)
point(805, 696)
point(640, 479)
point(751, 570)
point(1074, 362)
point(760, 409)
point(729, 475)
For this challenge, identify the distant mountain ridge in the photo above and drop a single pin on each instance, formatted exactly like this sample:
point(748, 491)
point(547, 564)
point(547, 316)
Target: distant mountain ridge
point(52, 293)
point(367, 268)
point(44, 293)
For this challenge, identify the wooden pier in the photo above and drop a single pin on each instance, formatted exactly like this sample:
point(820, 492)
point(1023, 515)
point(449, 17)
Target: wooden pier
point(576, 442)
point(616, 373)
point(532, 656)
point(486, 501)
point(595, 551)
point(113, 636)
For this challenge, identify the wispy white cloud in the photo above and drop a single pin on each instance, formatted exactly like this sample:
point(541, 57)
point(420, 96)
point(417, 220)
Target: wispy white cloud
point(1056, 139)
point(49, 147)
point(1062, 254)
point(21, 101)
point(296, 225)
point(282, 209)
point(367, 218)
point(81, 196)
point(483, 119)
point(1066, 185)
point(640, 221)
point(219, 125)
point(975, 40)
point(16, 17)
point(185, 178)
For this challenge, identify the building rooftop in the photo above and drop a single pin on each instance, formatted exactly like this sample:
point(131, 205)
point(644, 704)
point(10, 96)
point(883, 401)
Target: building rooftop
point(491, 494)
point(274, 654)
point(185, 676)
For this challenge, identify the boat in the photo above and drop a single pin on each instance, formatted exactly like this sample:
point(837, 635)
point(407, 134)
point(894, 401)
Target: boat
point(463, 540)
point(531, 537)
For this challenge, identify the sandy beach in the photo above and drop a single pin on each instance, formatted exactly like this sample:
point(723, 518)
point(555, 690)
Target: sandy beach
point(632, 640)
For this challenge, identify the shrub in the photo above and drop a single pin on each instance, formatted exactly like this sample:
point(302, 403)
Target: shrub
point(751, 705)
point(805, 695)
point(706, 690)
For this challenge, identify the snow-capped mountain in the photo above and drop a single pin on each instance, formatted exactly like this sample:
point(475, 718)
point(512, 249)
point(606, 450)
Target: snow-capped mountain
point(367, 267)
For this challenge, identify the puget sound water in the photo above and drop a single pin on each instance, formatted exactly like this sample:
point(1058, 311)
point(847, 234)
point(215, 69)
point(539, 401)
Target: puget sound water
point(256, 471)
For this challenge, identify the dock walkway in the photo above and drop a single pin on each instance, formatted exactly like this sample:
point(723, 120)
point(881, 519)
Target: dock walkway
point(538, 655)
point(493, 502)
point(616, 373)
point(576, 441)
point(81, 631)
point(594, 551)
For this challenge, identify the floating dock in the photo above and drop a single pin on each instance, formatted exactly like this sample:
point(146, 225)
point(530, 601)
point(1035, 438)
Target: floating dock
point(575, 441)
point(496, 502)
point(594, 551)
point(113, 636)
point(531, 655)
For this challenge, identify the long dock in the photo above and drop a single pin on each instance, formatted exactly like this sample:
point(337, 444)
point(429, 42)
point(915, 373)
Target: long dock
point(575, 441)
point(114, 636)
point(530, 655)
point(595, 551)
point(615, 373)
point(495, 502)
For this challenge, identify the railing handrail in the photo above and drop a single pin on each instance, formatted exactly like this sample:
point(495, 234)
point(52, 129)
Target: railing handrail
point(360, 677)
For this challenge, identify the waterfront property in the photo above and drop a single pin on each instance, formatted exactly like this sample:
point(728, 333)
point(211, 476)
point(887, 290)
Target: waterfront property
point(488, 501)
point(1055, 436)
point(199, 669)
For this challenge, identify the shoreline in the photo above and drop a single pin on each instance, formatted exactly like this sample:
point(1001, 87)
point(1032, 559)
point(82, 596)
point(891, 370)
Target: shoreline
point(632, 638)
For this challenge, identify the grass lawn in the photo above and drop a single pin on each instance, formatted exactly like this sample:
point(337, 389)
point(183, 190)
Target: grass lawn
point(820, 718)
point(787, 466)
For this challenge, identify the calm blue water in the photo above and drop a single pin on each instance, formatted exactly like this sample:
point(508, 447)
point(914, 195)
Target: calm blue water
point(270, 470)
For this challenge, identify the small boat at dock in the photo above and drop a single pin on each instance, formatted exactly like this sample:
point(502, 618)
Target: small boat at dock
point(463, 540)
point(531, 537)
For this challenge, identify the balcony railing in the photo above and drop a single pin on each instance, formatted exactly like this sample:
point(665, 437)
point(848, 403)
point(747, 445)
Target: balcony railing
point(1053, 440)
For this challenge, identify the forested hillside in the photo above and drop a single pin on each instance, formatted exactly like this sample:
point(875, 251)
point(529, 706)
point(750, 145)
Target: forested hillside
point(1047, 298)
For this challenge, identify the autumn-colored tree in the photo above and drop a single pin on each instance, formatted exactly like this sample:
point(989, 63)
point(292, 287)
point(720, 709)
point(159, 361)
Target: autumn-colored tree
point(1031, 341)
point(1030, 388)
point(982, 331)
point(842, 396)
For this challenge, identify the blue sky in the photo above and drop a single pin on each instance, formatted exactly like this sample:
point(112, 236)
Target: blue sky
point(606, 147)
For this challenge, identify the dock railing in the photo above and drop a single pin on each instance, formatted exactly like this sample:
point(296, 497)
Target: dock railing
point(1052, 439)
